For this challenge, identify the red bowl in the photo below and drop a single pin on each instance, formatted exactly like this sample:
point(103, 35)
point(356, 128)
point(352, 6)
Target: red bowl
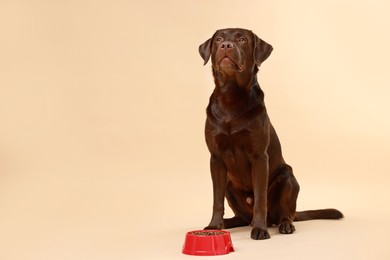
point(208, 242)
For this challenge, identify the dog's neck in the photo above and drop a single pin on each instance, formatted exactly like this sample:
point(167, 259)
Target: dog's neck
point(243, 80)
point(235, 94)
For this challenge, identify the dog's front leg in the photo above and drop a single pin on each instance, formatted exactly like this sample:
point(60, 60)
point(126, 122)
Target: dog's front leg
point(260, 185)
point(219, 178)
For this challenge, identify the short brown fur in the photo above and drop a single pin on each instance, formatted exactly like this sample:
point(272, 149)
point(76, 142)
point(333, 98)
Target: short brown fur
point(246, 162)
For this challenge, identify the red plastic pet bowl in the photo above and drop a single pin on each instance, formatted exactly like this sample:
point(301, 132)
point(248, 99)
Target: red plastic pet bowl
point(208, 242)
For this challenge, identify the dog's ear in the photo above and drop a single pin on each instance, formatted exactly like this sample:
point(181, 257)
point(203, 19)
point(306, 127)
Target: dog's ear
point(205, 50)
point(261, 51)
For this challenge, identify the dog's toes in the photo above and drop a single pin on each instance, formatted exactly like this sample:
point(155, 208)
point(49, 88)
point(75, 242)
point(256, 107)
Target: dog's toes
point(259, 234)
point(286, 228)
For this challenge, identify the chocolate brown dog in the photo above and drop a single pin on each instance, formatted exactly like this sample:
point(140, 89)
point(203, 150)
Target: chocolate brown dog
point(246, 162)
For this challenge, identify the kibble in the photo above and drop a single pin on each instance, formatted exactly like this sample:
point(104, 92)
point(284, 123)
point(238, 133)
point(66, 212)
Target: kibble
point(206, 233)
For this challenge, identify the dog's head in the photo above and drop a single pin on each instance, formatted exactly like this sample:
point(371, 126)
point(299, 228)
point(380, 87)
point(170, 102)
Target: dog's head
point(235, 50)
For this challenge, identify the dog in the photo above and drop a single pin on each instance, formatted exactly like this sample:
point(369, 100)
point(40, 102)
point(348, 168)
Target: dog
point(246, 164)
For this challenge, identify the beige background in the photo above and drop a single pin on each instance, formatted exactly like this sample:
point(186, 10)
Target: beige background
point(102, 106)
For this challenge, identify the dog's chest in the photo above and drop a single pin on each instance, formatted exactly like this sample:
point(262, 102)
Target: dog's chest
point(233, 136)
point(233, 133)
point(234, 144)
point(232, 141)
point(235, 150)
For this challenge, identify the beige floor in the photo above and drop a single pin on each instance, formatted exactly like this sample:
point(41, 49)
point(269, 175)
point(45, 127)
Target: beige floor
point(102, 107)
point(108, 214)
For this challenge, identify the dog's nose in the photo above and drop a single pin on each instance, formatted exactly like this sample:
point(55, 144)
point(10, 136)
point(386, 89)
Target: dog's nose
point(227, 45)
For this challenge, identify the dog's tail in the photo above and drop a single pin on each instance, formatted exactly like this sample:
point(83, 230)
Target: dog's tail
point(318, 214)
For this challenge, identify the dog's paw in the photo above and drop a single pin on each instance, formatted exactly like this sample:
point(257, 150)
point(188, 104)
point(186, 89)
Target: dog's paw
point(259, 234)
point(286, 228)
point(213, 227)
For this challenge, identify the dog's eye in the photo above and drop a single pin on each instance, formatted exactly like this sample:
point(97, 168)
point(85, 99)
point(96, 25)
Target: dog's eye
point(242, 39)
point(219, 39)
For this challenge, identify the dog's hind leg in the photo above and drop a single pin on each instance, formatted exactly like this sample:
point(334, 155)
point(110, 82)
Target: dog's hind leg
point(235, 222)
point(282, 196)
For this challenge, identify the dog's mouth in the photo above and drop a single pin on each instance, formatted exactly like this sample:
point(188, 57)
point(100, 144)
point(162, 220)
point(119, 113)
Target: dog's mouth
point(228, 64)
